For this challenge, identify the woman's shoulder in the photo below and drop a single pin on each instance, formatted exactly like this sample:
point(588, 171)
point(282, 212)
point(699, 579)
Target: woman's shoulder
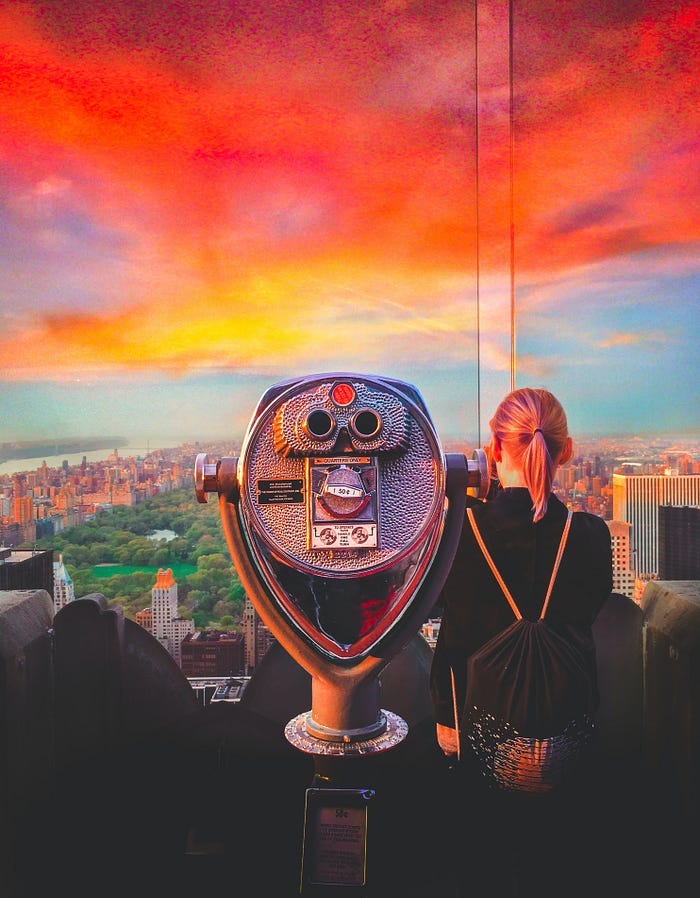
point(579, 519)
point(591, 529)
point(590, 521)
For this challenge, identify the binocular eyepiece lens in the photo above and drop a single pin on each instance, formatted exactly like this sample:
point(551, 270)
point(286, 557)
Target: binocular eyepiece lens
point(366, 423)
point(319, 424)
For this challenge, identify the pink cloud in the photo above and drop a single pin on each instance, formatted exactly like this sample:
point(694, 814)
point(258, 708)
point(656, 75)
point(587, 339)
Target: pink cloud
point(284, 148)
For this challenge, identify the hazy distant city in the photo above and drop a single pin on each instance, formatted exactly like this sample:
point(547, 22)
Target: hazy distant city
point(41, 496)
point(21, 454)
point(21, 457)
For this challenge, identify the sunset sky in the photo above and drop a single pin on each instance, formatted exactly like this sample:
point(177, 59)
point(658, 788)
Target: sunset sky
point(201, 199)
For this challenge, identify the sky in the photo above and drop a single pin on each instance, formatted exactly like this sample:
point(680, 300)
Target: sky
point(200, 199)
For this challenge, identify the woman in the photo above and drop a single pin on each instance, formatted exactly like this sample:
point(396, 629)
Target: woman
point(521, 526)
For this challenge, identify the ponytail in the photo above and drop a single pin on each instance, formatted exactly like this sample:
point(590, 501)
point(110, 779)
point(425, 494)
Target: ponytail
point(532, 426)
point(538, 469)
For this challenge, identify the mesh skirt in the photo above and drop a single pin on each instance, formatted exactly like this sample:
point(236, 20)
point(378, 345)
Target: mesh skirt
point(516, 763)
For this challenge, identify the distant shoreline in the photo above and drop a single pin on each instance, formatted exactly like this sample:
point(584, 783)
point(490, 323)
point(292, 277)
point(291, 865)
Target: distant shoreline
point(19, 449)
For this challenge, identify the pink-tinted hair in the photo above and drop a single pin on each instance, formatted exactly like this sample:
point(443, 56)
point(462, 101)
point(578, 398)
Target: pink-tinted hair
point(531, 424)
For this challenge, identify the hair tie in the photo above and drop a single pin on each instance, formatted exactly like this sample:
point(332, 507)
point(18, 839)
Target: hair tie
point(538, 430)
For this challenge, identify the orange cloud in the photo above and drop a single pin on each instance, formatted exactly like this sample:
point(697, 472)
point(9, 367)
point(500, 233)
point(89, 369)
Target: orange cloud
point(634, 339)
point(283, 199)
point(222, 167)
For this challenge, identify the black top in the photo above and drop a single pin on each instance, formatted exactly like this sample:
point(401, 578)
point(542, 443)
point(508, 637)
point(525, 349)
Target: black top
point(473, 605)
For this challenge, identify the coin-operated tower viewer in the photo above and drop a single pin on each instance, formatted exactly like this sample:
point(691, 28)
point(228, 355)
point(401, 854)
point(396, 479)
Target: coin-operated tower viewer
point(342, 515)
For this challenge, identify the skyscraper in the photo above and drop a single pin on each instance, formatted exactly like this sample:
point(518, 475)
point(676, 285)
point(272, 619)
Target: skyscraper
point(637, 498)
point(623, 575)
point(63, 588)
point(679, 542)
point(26, 569)
point(168, 628)
point(258, 637)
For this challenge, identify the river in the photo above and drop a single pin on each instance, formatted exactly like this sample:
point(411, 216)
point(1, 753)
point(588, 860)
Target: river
point(20, 465)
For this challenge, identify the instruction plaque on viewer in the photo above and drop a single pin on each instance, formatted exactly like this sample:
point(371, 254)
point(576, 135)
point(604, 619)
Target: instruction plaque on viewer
point(335, 837)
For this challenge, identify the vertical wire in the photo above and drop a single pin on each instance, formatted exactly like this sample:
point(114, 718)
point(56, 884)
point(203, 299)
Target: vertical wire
point(512, 193)
point(477, 223)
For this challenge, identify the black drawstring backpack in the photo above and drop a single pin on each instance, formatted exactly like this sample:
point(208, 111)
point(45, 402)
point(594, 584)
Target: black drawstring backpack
point(531, 696)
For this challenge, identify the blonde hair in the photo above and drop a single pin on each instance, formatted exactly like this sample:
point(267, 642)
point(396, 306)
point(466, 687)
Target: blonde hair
point(531, 424)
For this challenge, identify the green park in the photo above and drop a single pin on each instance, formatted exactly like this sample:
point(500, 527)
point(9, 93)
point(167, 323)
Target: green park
point(118, 553)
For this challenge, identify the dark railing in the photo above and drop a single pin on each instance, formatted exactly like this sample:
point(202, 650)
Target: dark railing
point(116, 780)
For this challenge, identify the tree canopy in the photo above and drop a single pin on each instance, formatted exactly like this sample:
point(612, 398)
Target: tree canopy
point(122, 536)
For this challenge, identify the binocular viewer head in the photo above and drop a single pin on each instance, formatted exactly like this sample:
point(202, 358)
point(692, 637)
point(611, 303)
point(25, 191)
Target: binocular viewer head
point(336, 507)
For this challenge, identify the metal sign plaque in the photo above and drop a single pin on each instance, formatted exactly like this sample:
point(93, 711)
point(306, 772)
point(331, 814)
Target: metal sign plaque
point(279, 492)
point(335, 838)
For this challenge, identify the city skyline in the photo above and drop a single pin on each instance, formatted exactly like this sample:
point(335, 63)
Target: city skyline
point(197, 208)
point(637, 452)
